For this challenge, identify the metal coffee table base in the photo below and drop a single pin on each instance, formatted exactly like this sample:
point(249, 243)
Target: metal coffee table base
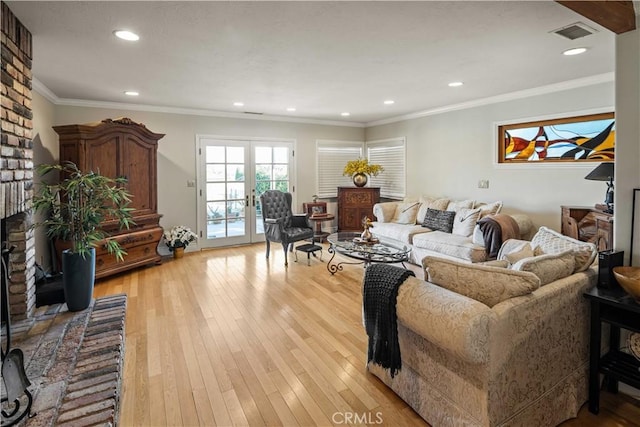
point(339, 266)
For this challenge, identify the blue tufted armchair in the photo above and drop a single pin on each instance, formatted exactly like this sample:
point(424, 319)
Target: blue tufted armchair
point(280, 224)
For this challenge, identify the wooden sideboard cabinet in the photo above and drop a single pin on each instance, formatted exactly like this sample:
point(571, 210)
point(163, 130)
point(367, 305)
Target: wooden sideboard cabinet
point(120, 148)
point(354, 203)
point(588, 224)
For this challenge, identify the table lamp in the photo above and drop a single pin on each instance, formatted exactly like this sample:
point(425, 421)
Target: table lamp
point(604, 172)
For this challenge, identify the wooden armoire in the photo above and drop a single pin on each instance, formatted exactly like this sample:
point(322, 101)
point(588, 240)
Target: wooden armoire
point(120, 148)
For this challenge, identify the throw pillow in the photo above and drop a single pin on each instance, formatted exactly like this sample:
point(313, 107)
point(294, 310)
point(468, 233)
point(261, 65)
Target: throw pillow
point(495, 263)
point(478, 237)
point(460, 204)
point(430, 203)
point(465, 221)
point(552, 242)
point(548, 268)
point(406, 213)
point(526, 251)
point(489, 285)
point(489, 208)
point(439, 220)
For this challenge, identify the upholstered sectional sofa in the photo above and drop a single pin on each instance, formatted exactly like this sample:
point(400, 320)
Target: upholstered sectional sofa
point(402, 223)
point(503, 343)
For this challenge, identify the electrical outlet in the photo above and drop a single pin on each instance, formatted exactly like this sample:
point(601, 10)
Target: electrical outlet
point(191, 183)
point(483, 183)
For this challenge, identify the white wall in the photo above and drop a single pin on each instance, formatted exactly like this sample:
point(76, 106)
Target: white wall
point(627, 141)
point(177, 152)
point(449, 152)
point(45, 150)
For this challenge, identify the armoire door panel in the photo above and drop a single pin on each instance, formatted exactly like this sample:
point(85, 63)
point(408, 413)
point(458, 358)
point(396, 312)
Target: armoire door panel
point(102, 155)
point(140, 170)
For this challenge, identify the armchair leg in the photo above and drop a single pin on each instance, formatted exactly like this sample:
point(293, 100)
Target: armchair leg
point(285, 247)
point(268, 248)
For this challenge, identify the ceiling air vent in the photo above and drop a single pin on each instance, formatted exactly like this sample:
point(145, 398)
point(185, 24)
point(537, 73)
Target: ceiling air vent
point(575, 31)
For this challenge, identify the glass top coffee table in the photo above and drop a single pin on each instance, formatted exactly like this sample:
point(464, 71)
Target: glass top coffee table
point(343, 243)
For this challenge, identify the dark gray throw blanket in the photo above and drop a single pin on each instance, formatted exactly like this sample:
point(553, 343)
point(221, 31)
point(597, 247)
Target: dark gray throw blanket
point(380, 291)
point(497, 229)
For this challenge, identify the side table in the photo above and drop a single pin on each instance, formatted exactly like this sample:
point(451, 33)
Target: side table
point(319, 235)
point(619, 310)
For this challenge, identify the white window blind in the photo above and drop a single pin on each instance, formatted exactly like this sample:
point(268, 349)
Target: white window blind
point(391, 154)
point(332, 156)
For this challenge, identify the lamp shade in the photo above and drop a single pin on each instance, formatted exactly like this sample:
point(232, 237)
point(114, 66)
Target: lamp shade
point(603, 172)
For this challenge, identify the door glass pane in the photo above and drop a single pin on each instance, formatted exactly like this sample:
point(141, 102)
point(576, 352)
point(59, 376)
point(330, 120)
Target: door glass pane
point(215, 173)
point(216, 228)
point(263, 155)
point(280, 172)
point(215, 210)
point(214, 154)
point(215, 191)
point(282, 186)
point(235, 191)
point(235, 155)
point(280, 155)
point(263, 172)
point(235, 172)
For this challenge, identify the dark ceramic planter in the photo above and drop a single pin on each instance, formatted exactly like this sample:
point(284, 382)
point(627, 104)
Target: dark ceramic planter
point(78, 276)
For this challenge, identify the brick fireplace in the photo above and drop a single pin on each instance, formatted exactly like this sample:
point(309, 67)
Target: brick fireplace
point(16, 186)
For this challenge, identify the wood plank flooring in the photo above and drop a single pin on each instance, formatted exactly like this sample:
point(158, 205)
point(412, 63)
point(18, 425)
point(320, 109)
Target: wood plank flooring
point(225, 337)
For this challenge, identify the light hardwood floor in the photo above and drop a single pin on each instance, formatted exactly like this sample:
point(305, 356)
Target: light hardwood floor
point(225, 337)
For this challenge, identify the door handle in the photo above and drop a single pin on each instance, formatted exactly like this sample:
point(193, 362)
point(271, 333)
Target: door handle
point(253, 200)
point(247, 200)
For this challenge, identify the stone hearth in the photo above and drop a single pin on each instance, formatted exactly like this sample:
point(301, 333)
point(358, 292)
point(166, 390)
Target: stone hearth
point(74, 362)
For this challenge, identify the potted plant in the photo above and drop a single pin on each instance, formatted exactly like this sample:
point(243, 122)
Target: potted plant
point(360, 170)
point(178, 238)
point(74, 209)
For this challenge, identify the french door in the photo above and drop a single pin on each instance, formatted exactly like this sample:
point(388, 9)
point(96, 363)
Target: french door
point(233, 173)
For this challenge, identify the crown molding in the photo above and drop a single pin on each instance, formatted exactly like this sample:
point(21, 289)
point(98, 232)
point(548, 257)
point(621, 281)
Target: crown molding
point(542, 90)
point(39, 87)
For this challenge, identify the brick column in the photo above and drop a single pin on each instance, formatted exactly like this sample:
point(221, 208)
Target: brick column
point(16, 162)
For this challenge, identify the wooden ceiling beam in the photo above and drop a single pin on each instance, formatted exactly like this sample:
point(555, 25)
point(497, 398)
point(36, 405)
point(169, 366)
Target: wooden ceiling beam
point(617, 16)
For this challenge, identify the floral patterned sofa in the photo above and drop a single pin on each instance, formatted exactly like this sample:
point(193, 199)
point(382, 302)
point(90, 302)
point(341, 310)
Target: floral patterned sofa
point(498, 344)
point(403, 223)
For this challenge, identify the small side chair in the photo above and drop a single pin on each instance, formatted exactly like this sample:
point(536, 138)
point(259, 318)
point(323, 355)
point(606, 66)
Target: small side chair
point(280, 224)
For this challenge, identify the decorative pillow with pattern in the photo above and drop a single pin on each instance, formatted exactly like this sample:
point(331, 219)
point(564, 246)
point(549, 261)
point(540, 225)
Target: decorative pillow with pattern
point(460, 204)
point(406, 213)
point(489, 208)
point(548, 268)
point(524, 251)
point(465, 221)
point(489, 285)
point(438, 220)
point(548, 241)
point(430, 203)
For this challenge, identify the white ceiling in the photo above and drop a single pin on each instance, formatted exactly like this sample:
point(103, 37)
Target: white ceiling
point(321, 57)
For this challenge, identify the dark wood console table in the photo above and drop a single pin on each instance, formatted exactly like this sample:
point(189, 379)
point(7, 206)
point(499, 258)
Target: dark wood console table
point(619, 310)
point(588, 224)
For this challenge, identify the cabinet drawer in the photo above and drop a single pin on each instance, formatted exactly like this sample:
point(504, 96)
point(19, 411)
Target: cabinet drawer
point(137, 238)
point(134, 254)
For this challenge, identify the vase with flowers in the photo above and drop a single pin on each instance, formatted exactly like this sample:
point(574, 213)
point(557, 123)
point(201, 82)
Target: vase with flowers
point(178, 238)
point(360, 170)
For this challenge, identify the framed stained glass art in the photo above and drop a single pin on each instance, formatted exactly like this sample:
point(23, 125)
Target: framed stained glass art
point(589, 138)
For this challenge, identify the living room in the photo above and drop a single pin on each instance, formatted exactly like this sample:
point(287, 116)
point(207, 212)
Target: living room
point(449, 147)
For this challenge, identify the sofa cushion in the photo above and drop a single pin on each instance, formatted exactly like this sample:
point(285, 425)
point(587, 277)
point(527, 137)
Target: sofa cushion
point(548, 241)
point(430, 203)
point(401, 232)
point(460, 204)
point(439, 220)
point(523, 251)
point(489, 285)
point(465, 221)
point(488, 208)
point(451, 245)
point(549, 267)
point(405, 213)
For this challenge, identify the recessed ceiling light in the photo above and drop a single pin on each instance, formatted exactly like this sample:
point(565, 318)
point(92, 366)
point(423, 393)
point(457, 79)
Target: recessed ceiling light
point(455, 84)
point(389, 102)
point(291, 109)
point(238, 104)
point(345, 114)
point(126, 35)
point(131, 93)
point(575, 51)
